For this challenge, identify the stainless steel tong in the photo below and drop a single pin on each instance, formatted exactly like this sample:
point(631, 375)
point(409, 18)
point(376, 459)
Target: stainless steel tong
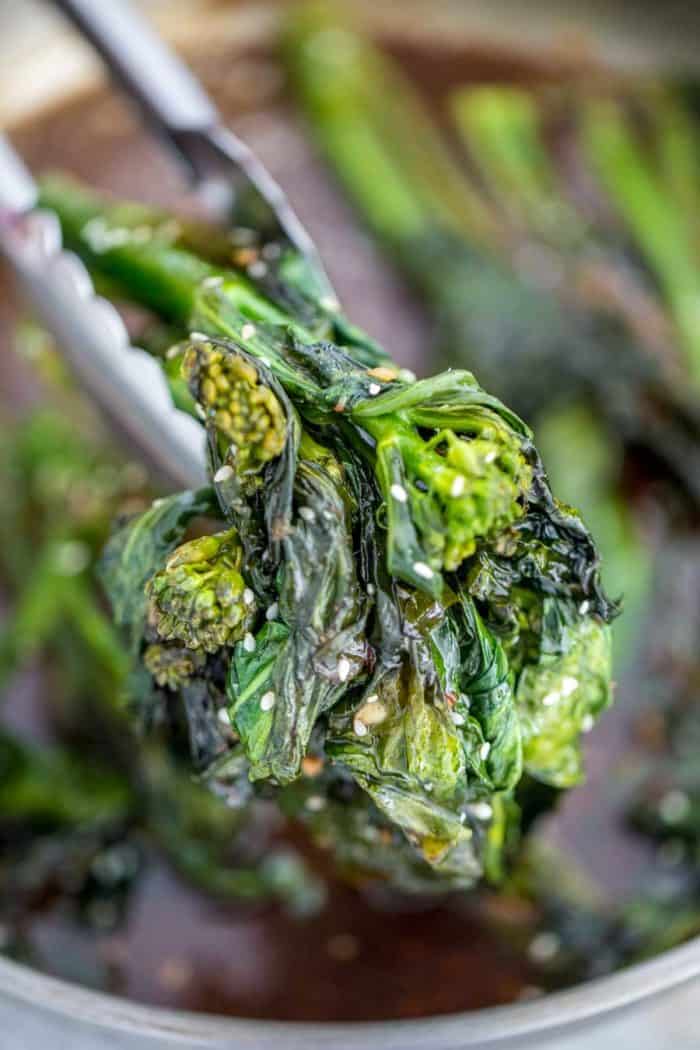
point(180, 112)
point(123, 379)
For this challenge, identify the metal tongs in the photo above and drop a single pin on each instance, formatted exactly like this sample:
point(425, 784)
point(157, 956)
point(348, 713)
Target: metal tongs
point(126, 381)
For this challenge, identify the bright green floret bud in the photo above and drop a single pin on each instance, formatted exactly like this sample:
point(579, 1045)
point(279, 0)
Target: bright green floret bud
point(447, 487)
point(475, 485)
point(249, 419)
point(172, 665)
point(200, 598)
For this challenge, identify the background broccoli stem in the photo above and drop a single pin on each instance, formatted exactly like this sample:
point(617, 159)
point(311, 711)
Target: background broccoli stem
point(676, 151)
point(378, 135)
point(660, 227)
point(501, 129)
point(49, 599)
point(583, 462)
point(32, 621)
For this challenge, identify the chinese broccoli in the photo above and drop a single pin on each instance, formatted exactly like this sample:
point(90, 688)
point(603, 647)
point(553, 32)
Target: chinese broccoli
point(390, 614)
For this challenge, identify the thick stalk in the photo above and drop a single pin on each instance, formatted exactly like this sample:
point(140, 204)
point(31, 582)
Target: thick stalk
point(676, 151)
point(583, 462)
point(501, 128)
point(660, 227)
point(378, 134)
point(143, 263)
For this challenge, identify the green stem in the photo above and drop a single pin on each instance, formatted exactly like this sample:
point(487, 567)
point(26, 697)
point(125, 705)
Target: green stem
point(147, 268)
point(376, 131)
point(501, 129)
point(584, 462)
point(676, 152)
point(658, 224)
point(34, 619)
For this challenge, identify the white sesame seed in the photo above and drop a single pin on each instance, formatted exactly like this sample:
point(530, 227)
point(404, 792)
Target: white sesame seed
point(258, 268)
point(249, 643)
point(584, 607)
point(248, 331)
point(481, 810)
point(199, 337)
point(551, 698)
point(71, 558)
point(372, 699)
point(674, 806)
point(399, 493)
point(544, 946)
point(307, 514)
point(421, 569)
point(267, 701)
point(360, 728)
point(569, 685)
point(489, 457)
point(200, 411)
point(224, 473)
point(484, 751)
point(370, 589)
point(272, 611)
point(315, 803)
point(371, 714)
point(248, 596)
point(457, 718)
point(212, 282)
point(457, 486)
point(223, 716)
point(343, 669)
point(374, 389)
point(329, 303)
point(587, 723)
point(174, 351)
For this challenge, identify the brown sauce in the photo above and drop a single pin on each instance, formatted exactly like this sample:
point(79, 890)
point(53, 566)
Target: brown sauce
point(353, 961)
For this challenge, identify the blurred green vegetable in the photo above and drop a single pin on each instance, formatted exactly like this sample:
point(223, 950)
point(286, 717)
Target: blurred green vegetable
point(659, 225)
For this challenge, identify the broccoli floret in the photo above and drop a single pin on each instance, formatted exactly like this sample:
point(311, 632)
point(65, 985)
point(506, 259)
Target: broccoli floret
point(200, 597)
point(248, 418)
